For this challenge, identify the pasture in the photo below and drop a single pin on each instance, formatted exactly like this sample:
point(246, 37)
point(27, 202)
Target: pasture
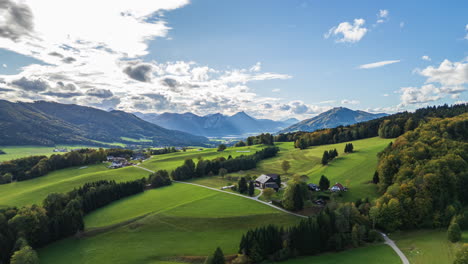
point(428, 246)
point(35, 190)
point(16, 152)
point(166, 227)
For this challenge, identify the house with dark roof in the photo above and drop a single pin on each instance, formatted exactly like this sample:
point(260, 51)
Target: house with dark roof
point(313, 187)
point(267, 181)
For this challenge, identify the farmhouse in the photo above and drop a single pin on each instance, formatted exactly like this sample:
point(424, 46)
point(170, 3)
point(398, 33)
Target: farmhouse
point(267, 181)
point(118, 162)
point(338, 187)
point(60, 150)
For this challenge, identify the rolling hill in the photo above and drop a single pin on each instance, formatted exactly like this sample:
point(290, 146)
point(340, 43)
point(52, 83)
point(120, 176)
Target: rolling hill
point(216, 125)
point(338, 116)
point(48, 123)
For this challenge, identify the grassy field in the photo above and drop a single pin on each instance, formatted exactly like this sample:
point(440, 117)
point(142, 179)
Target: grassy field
point(16, 152)
point(428, 246)
point(35, 190)
point(374, 254)
point(354, 170)
point(192, 223)
point(135, 140)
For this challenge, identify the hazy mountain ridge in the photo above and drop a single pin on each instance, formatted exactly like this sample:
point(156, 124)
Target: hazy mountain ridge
point(215, 125)
point(48, 123)
point(338, 116)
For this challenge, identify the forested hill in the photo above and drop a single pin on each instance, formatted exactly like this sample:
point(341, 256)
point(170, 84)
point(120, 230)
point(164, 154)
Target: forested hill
point(338, 116)
point(390, 126)
point(48, 123)
point(424, 174)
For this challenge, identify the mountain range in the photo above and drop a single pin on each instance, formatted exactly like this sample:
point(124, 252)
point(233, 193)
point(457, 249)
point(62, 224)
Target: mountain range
point(338, 116)
point(48, 123)
point(216, 125)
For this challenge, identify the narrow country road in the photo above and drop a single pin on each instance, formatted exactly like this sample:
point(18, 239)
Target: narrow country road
point(392, 244)
point(388, 241)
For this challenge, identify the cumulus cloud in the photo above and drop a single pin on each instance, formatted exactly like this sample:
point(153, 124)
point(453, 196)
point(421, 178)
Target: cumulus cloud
point(377, 64)
point(100, 93)
point(16, 20)
point(30, 85)
point(426, 58)
point(140, 72)
point(448, 79)
point(4, 65)
point(256, 68)
point(382, 16)
point(347, 32)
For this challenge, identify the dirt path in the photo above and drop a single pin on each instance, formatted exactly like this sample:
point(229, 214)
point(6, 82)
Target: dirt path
point(392, 244)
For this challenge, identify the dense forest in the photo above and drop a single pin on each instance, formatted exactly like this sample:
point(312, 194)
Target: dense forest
point(386, 127)
point(423, 175)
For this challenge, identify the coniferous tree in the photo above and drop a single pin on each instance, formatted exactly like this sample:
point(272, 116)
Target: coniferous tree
point(243, 188)
point(218, 257)
point(325, 158)
point(324, 183)
point(251, 188)
point(376, 179)
point(297, 198)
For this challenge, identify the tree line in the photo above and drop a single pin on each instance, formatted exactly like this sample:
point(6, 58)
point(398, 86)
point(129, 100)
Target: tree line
point(329, 156)
point(386, 127)
point(165, 150)
point(334, 228)
point(264, 138)
point(61, 215)
point(221, 165)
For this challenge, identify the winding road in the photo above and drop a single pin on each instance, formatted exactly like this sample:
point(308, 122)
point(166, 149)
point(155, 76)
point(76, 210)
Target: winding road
point(388, 241)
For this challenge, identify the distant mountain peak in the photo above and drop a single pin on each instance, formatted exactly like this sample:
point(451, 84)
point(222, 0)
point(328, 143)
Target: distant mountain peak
point(337, 116)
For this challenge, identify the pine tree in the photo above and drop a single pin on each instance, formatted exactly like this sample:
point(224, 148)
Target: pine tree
point(324, 183)
point(218, 257)
point(243, 188)
point(297, 198)
point(325, 158)
point(376, 179)
point(251, 188)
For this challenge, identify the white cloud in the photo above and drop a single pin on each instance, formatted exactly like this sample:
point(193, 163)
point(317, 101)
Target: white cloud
point(426, 58)
point(257, 67)
point(276, 90)
point(386, 95)
point(351, 33)
point(353, 102)
point(377, 64)
point(448, 79)
point(382, 16)
point(4, 65)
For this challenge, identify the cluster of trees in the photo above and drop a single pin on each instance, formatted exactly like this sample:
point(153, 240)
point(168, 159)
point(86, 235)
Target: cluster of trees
point(333, 229)
point(329, 156)
point(349, 148)
point(424, 175)
point(36, 166)
point(240, 144)
point(221, 147)
point(2, 152)
point(387, 127)
point(245, 186)
point(120, 152)
point(296, 194)
point(60, 215)
point(159, 179)
point(264, 138)
point(221, 165)
point(165, 150)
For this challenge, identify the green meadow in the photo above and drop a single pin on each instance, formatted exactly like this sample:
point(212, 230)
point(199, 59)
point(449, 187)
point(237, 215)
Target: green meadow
point(169, 223)
point(16, 152)
point(35, 190)
point(428, 246)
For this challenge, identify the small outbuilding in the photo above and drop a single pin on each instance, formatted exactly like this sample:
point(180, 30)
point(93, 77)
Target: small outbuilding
point(338, 187)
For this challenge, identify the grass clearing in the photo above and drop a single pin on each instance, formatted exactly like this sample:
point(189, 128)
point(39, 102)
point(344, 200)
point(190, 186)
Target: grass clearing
point(16, 152)
point(35, 190)
point(192, 223)
point(428, 246)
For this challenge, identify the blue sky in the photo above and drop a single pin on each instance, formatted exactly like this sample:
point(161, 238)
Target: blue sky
point(201, 57)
